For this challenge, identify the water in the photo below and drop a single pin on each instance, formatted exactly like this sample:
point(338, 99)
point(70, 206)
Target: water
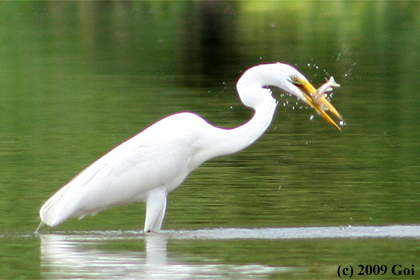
point(77, 78)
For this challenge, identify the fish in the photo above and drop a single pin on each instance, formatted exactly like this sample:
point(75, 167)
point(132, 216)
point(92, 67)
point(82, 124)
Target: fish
point(321, 93)
point(326, 88)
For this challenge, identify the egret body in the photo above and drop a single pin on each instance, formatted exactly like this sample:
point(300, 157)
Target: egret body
point(157, 160)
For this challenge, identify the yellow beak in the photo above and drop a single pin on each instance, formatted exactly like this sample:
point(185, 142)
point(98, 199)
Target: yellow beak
point(319, 103)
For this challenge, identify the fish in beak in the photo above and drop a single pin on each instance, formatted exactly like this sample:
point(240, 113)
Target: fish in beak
point(316, 98)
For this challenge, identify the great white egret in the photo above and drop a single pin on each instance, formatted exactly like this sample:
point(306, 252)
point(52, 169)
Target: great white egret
point(157, 160)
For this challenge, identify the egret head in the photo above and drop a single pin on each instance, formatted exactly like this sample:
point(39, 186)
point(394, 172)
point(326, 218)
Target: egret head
point(288, 79)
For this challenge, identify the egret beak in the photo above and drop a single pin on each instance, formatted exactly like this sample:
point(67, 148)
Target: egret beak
point(318, 102)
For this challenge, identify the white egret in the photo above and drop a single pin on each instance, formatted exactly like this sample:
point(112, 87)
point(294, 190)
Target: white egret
point(157, 160)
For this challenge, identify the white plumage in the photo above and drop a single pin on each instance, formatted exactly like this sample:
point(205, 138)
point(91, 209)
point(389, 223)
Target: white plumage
point(157, 160)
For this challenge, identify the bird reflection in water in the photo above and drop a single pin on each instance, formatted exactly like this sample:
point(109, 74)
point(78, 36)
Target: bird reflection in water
point(77, 256)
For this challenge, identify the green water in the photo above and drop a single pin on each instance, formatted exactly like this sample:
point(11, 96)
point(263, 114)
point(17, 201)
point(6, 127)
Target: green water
point(77, 78)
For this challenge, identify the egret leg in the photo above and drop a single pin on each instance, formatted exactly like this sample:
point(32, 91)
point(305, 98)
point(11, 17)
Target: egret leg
point(155, 209)
point(37, 229)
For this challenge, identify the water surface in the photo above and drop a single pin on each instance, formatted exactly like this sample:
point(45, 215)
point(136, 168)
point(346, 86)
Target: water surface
point(104, 255)
point(78, 78)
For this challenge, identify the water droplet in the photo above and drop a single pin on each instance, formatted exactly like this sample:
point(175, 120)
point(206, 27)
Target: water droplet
point(311, 117)
point(342, 123)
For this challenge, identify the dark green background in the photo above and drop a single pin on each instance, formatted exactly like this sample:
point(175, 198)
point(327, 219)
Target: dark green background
point(77, 78)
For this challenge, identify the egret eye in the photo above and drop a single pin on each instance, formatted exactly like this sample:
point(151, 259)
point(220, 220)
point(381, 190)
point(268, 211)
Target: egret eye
point(294, 79)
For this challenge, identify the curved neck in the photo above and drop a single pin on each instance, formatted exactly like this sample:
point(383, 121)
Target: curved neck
point(225, 141)
point(241, 137)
